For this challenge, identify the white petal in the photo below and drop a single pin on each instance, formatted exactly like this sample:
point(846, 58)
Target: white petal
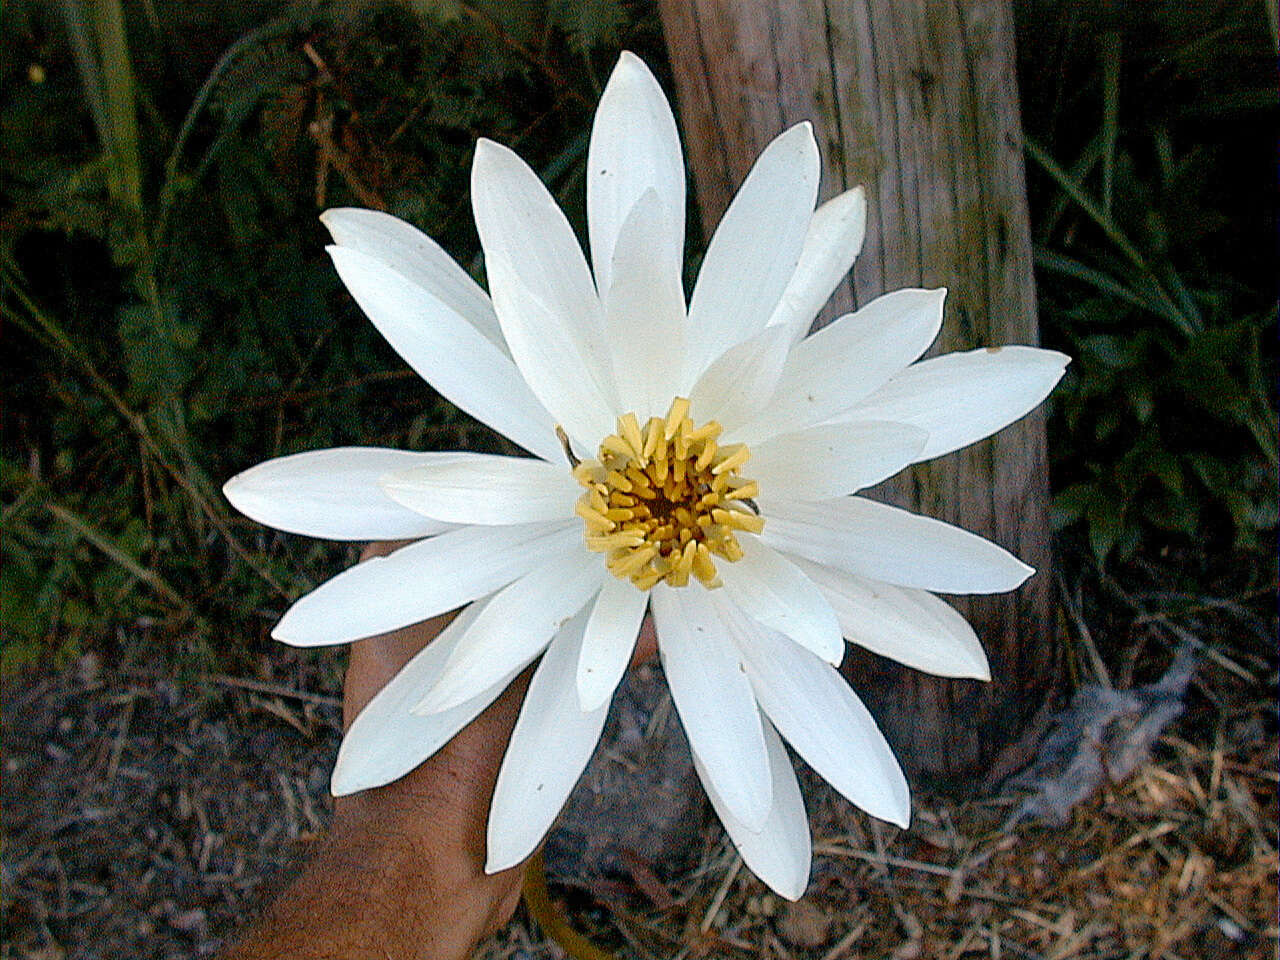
point(332, 494)
point(552, 741)
point(609, 640)
point(876, 540)
point(815, 711)
point(420, 581)
point(848, 359)
point(959, 398)
point(516, 625)
point(830, 247)
point(543, 294)
point(419, 259)
point(709, 686)
point(911, 626)
point(486, 489)
point(635, 147)
point(386, 741)
point(644, 312)
point(738, 385)
point(448, 352)
point(830, 461)
point(754, 250)
point(781, 852)
point(773, 591)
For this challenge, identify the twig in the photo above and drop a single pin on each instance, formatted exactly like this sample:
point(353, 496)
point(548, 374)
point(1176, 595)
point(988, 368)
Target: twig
point(718, 900)
point(275, 689)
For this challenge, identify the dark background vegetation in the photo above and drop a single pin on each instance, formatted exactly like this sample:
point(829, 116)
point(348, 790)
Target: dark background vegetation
point(170, 316)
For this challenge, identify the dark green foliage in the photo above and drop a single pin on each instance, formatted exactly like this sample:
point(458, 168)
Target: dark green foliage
point(1151, 144)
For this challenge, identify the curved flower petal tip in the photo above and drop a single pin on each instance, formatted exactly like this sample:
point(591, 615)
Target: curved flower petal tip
point(419, 259)
point(634, 149)
point(332, 494)
point(960, 398)
point(831, 245)
point(754, 250)
point(780, 853)
point(550, 746)
point(875, 540)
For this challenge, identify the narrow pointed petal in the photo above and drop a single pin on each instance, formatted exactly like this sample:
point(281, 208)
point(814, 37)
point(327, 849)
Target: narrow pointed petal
point(543, 293)
point(847, 360)
point(773, 591)
point(830, 247)
point(738, 385)
point(709, 686)
point(609, 640)
point(635, 147)
point(781, 852)
point(911, 626)
point(331, 494)
point(486, 489)
point(829, 461)
point(754, 251)
point(960, 398)
point(386, 741)
point(886, 543)
point(516, 626)
point(644, 312)
point(420, 581)
point(816, 712)
point(448, 352)
point(419, 259)
point(552, 741)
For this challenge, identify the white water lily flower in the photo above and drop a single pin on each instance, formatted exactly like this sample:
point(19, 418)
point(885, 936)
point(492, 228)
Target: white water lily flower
point(695, 463)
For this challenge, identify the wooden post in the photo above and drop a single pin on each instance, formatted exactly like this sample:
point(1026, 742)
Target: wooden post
point(917, 100)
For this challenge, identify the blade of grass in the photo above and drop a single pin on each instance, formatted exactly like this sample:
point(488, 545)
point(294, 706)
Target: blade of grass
point(1187, 325)
point(1110, 112)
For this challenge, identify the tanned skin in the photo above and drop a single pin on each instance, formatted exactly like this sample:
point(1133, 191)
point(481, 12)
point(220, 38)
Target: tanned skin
point(400, 875)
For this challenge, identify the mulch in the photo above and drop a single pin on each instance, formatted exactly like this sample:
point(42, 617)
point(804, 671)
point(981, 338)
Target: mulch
point(147, 817)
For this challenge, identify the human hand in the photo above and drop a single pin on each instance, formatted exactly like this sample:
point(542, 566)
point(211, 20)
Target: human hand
point(402, 871)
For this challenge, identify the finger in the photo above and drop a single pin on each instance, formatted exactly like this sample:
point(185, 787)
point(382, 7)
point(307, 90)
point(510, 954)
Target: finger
point(646, 642)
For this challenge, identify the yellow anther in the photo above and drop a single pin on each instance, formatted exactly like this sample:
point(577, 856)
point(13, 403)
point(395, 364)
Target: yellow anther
point(744, 492)
point(630, 431)
point(618, 481)
point(737, 458)
point(652, 436)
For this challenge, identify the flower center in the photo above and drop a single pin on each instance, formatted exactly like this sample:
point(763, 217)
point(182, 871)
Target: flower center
point(661, 501)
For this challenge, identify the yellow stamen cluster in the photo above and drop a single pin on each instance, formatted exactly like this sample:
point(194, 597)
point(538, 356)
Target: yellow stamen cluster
point(663, 499)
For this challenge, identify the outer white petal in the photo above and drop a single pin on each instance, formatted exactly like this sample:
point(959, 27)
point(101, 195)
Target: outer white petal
point(754, 250)
point(516, 625)
point(386, 741)
point(830, 461)
point(644, 312)
point(959, 398)
point(486, 489)
point(886, 543)
point(849, 359)
point(830, 247)
point(332, 494)
point(410, 252)
point(814, 709)
point(448, 352)
point(781, 852)
point(773, 591)
point(911, 626)
point(609, 640)
point(738, 385)
point(709, 686)
point(543, 293)
point(421, 580)
point(635, 147)
point(552, 741)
